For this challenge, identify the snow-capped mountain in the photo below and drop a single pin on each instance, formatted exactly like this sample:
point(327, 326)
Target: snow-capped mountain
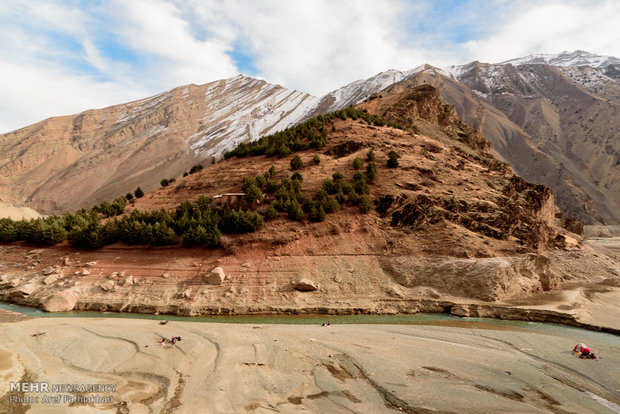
point(554, 117)
point(576, 58)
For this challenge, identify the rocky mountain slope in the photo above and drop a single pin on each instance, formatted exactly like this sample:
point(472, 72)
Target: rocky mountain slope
point(450, 229)
point(64, 163)
point(553, 117)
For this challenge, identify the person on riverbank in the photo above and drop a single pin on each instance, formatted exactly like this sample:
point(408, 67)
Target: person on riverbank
point(584, 352)
point(163, 342)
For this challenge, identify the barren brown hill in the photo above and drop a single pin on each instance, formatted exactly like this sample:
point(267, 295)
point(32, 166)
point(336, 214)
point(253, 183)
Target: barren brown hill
point(451, 230)
point(64, 163)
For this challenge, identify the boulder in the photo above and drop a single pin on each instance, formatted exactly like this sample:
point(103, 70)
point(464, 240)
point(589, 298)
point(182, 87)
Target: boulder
point(215, 277)
point(91, 264)
point(27, 289)
point(60, 302)
point(50, 279)
point(128, 281)
point(305, 285)
point(66, 261)
point(48, 271)
point(84, 272)
point(165, 275)
point(107, 285)
point(187, 293)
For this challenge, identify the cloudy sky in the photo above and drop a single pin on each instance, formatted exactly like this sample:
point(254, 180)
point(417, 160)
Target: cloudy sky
point(62, 57)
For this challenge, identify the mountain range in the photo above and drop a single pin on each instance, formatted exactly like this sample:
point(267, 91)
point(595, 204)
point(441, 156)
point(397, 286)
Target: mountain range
point(553, 117)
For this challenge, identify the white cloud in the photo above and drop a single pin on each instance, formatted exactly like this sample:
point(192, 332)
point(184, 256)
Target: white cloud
point(31, 94)
point(57, 59)
point(319, 45)
point(551, 27)
point(157, 29)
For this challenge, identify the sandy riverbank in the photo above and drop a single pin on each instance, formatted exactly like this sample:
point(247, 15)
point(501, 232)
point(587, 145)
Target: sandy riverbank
point(229, 368)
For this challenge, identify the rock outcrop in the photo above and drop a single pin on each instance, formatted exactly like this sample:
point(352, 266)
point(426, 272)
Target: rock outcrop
point(305, 285)
point(215, 276)
point(62, 301)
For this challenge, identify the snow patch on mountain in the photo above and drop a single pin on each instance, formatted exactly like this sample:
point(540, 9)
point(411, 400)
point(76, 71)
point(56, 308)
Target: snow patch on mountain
point(566, 59)
point(241, 109)
point(589, 77)
point(142, 107)
point(362, 89)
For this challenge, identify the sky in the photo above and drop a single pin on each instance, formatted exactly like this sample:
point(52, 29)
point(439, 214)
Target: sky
point(63, 57)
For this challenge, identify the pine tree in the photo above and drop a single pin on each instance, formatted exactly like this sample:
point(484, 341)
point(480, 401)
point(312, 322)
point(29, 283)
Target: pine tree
point(371, 171)
point(138, 193)
point(357, 163)
point(296, 163)
point(295, 212)
point(370, 155)
point(392, 160)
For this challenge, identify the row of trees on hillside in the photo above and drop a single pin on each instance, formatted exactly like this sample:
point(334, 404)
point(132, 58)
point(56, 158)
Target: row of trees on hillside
point(309, 134)
point(196, 223)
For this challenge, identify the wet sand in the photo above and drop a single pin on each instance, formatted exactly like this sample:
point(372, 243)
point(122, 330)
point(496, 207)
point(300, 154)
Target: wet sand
point(241, 368)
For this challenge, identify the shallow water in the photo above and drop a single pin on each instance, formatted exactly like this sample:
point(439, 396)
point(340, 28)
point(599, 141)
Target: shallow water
point(435, 319)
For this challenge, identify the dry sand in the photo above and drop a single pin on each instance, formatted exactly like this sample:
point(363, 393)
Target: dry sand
point(17, 213)
point(240, 368)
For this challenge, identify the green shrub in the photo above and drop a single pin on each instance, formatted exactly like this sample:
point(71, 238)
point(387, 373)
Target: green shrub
point(89, 236)
point(271, 213)
point(239, 221)
point(251, 190)
point(316, 214)
point(138, 193)
point(296, 163)
point(370, 155)
point(307, 204)
point(164, 182)
point(195, 169)
point(128, 196)
point(361, 187)
point(203, 202)
point(162, 235)
point(52, 232)
point(364, 203)
point(195, 236)
point(392, 159)
point(316, 159)
point(371, 171)
point(198, 235)
point(271, 185)
point(357, 163)
point(330, 187)
point(8, 231)
point(331, 205)
point(297, 176)
point(294, 211)
point(321, 195)
point(340, 198)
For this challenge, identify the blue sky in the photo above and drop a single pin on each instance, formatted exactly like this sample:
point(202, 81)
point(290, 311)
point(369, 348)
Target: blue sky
point(63, 57)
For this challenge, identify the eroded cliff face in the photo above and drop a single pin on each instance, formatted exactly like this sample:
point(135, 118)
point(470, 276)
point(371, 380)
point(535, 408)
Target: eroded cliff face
point(510, 207)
